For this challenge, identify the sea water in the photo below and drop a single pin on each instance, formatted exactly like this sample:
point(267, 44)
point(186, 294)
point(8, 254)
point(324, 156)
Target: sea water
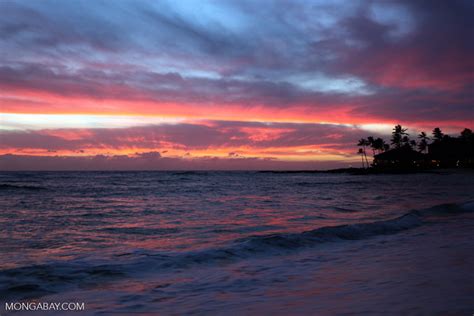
point(239, 242)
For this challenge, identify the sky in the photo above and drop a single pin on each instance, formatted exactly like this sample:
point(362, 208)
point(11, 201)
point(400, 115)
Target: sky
point(171, 85)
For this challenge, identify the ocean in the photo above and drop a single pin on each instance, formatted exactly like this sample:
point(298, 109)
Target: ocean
point(239, 243)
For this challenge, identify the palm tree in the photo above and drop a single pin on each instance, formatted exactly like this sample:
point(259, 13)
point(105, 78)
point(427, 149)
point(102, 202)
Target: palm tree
point(423, 144)
point(406, 141)
point(361, 153)
point(438, 134)
point(398, 135)
point(371, 141)
point(364, 143)
point(413, 144)
point(378, 145)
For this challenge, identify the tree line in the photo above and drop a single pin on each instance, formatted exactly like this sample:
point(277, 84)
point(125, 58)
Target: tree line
point(400, 138)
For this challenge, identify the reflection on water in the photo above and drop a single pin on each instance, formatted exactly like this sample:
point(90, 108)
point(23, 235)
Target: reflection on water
point(59, 229)
point(77, 214)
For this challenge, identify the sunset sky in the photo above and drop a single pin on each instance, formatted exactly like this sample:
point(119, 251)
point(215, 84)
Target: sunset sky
point(226, 84)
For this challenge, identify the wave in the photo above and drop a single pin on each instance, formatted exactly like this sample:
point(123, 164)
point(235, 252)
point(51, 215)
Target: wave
point(191, 173)
point(5, 187)
point(351, 231)
point(344, 209)
point(140, 230)
point(318, 184)
point(38, 280)
point(283, 242)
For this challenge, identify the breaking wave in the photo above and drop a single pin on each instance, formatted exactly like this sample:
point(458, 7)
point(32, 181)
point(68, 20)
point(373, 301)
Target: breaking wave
point(40, 280)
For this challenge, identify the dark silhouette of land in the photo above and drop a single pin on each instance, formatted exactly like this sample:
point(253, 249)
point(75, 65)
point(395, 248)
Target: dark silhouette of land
point(406, 155)
point(439, 151)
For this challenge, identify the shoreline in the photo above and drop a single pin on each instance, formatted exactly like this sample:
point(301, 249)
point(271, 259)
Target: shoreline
point(370, 171)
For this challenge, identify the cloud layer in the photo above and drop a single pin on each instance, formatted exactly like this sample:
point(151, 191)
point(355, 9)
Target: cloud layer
point(263, 79)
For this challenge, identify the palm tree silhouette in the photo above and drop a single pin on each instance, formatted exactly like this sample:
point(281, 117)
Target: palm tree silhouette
point(361, 153)
point(364, 143)
point(377, 144)
point(371, 141)
point(423, 144)
point(399, 135)
point(405, 140)
point(437, 134)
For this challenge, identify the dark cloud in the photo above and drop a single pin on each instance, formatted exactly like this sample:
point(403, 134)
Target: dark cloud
point(133, 85)
point(186, 136)
point(255, 59)
point(434, 53)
